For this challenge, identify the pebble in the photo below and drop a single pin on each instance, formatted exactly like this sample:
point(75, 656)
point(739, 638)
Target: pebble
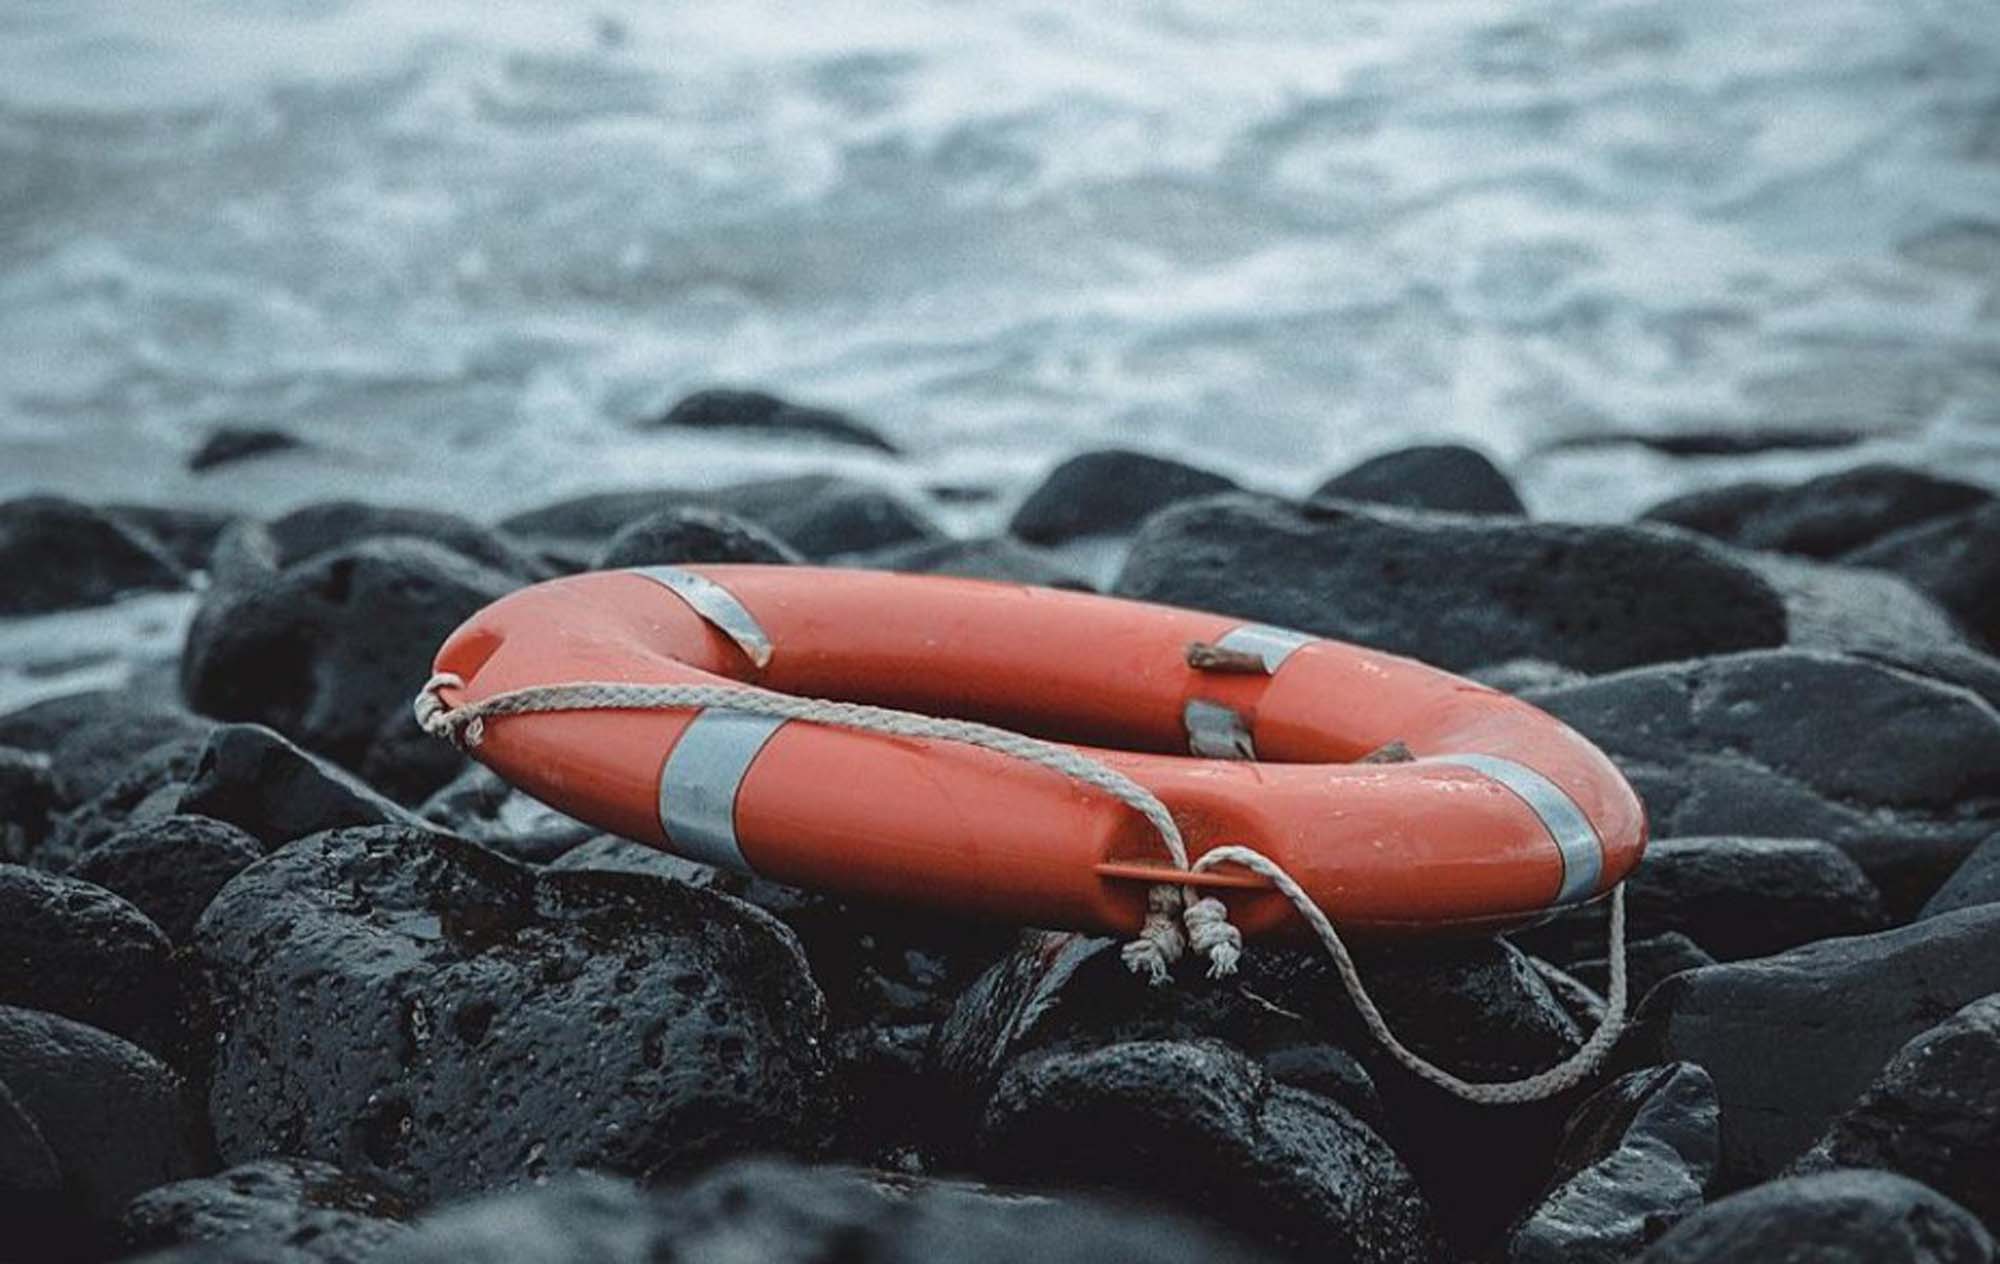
point(1447, 477)
point(1793, 1039)
point(1877, 1217)
point(1457, 592)
point(1636, 1158)
point(428, 1014)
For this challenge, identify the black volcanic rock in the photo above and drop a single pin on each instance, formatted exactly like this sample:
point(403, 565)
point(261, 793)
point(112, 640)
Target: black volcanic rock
point(75, 949)
point(188, 533)
point(1826, 516)
point(1454, 590)
point(766, 415)
point(1199, 1123)
point(1647, 962)
point(1900, 772)
point(995, 557)
point(169, 868)
point(252, 778)
point(274, 1206)
point(1876, 1217)
point(480, 806)
point(1933, 1114)
point(336, 524)
point(27, 794)
point(1792, 1040)
point(1636, 1158)
point(1734, 896)
point(1956, 560)
point(774, 1213)
point(1108, 492)
point(1449, 477)
point(226, 445)
point(149, 790)
point(58, 554)
point(113, 1117)
point(329, 650)
point(1977, 881)
point(693, 534)
point(426, 1013)
point(820, 515)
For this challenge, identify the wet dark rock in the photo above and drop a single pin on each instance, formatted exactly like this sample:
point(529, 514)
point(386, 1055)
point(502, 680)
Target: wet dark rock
point(337, 524)
point(104, 744)
point(1895, 770)
point(480, 806)
point(327, 651)
point(226, 445)
point(426, 1013)
point(777, 1213)
point(73, 948)
point(28, 1168)
point(1793, 1039)
point(58, 554)
point(114, 1118)
point(1933, 1114)
point(27, 795)
point(1647, 961)
point(1826, 516)
point(767, 415)
point(254, 779)
point(1956, 560)
point(1846, 608)
point(1454, 590)
point(1737, 438)
point(1479, 1008)
point(995, 557)
point(1836, 1216)
point(187, 533)
point(693, 534)
point(1636, 1158)
point(1975, 882)
point(149, 790)
point(275, 1205)
point(1960, 665)
point(169, 868)
point(1444, 476)
point(1733, 896)
point(1523, 675)
point(407, 764)
point(1108, 492)
point(1201, 1124)
point(820, 515)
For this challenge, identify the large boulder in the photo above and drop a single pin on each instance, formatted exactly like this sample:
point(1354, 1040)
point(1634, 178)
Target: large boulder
point(1449, 477)
point(783, 1214)
point(94, 739)
point(425, 1013)
point(168, 868)
point(1956, 560)
point(1977, 881)
point(692, 533)
point(275, 1207)
point(1107, 492)
point(114, 1119)
point(1876, 1217)
point(1454, 590)
point(252, 778)
point(1900, 772)
point(334, 524)
point(1793, 1039)
point(329, 650)
point(1734, 896)
point(75, 949)
point(820, 515)
point(58, 554)
point(1933, 1114)
point(766, 415)
point(1852, 610)
point(1199, 1123)
point(1822, 517)
point(1636, 1158)
point(994, 557)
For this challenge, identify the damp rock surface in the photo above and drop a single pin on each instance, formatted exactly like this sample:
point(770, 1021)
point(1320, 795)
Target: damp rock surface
point(1859, 1215)
point(169, 868)
point(59, 554)
point(73, 948)
point(1444, 476)
point(433, 1016)
point(1107, 492)
point(1824, 517)
point(276, 1206)
point(764, 415)
point(693, 533)
point(251, 777)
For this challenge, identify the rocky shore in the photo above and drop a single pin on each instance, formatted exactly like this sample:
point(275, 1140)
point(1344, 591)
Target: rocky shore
point(283, 980)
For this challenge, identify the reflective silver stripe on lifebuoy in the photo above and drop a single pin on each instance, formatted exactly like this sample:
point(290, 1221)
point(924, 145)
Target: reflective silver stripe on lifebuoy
point(1575, 837)
point(1216, 732)
point(716, 604)
point(699, 781)
point(1273, 645)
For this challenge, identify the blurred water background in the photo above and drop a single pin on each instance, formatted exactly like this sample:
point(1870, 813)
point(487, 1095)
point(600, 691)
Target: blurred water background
point(462, 246)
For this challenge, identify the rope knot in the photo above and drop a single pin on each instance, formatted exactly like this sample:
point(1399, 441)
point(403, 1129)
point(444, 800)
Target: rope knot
point(1160, 942)
point(1213, 936)
point(437, 718)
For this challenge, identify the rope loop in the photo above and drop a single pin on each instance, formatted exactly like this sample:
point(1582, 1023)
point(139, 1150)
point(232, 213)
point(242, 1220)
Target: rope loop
point(1177, 917)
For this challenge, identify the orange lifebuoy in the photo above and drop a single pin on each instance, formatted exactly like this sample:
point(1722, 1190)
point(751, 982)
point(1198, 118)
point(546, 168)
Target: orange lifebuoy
point(1502, 814)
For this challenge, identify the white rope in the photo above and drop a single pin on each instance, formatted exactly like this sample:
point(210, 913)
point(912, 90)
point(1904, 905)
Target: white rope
point(1169, 907)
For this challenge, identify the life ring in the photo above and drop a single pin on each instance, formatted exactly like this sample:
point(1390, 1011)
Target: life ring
point(1495, 814)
